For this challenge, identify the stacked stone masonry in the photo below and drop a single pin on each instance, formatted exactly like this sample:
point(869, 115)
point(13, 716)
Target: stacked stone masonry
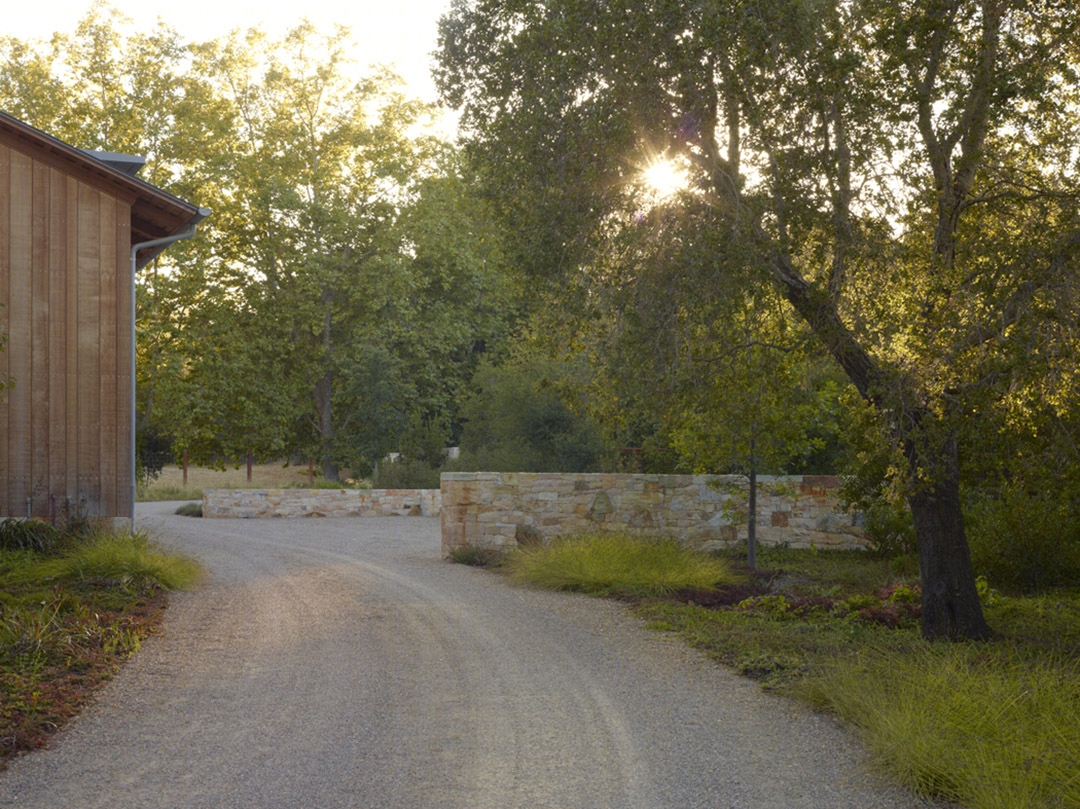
point(494, 510)
point(321, 503)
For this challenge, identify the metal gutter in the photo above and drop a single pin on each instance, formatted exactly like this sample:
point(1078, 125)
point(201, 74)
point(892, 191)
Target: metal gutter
point(159, 245)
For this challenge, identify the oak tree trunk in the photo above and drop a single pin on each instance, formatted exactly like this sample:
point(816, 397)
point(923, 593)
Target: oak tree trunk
point(950, 602)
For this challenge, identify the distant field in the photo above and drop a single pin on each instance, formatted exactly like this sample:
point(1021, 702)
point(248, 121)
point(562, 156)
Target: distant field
point(170, 483)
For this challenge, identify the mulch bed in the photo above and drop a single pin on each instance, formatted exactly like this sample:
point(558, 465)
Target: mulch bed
point(36, 701)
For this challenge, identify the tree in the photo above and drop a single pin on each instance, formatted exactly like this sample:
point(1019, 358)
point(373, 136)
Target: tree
point(901, 173)
point(102, 87)
point(347, 283)
point(518, 420)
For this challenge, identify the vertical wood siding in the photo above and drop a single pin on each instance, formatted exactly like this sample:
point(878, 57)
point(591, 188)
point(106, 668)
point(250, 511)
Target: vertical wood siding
point(64, 286)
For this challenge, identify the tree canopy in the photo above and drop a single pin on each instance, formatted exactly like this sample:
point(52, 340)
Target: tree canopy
point(347, 283)
point(904, 175)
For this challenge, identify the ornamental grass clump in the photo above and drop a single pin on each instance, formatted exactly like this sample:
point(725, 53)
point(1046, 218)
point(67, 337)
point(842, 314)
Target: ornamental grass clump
point(986, 733)
point(612, 562)
point(131, 561)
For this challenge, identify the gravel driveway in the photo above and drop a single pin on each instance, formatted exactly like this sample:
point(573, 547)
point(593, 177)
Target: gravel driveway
point(339, 663)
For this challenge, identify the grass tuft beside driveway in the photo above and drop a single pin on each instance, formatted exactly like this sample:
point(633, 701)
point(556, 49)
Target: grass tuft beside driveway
point(68, 618)
point(610, 562)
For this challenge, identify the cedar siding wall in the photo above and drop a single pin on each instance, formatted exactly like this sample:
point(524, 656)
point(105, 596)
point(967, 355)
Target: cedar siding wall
point(65, 290)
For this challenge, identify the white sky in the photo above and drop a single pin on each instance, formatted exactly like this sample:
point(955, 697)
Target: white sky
point(398, 32)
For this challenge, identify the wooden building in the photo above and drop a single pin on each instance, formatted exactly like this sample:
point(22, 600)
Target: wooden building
point(70, 222)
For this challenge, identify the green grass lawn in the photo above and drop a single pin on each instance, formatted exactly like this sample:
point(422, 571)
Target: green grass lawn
point(993, 725)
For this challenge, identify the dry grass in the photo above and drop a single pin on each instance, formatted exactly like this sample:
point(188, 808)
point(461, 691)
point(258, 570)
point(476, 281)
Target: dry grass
point(263, 476)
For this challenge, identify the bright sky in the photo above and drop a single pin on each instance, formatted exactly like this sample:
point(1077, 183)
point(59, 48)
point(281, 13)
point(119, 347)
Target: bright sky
point(398, 32)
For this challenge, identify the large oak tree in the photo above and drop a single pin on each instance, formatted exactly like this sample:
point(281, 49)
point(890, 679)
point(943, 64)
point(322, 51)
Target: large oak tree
point(904, 173)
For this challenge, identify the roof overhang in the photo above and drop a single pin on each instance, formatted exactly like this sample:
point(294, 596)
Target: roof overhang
point(155, 213)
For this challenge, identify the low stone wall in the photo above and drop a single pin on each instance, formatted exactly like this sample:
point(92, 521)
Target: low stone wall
point(495, 510)
point(321, 502)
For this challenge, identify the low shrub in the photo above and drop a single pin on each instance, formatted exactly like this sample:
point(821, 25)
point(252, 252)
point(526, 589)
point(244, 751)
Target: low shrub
point(890, 529)
point(475, 556)
point(407, 473)
point(189, 510)
point(614, 562)
point(28, 535)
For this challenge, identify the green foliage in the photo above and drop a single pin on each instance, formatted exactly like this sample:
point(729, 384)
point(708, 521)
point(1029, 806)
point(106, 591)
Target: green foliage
point(1024, 541)
point(323, 483)
point(1047, 624)
point(130, 561)
point(476, 556)
point(987, 594)
point(146, 494)
point(348, 280)
point(774, 606)
point(984, 734)
point(28, 535)
point(519, 421)
point(407, 473)
point(66, 621)
point(612, 562)
point(942, 286)
point(835, 570)
point(421, 459)
point(153, 450)
point(189, 510)
point(990, 725)
point(889, 528)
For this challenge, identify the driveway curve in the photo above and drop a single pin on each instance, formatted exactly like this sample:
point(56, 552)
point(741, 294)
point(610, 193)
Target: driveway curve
point(341, 664)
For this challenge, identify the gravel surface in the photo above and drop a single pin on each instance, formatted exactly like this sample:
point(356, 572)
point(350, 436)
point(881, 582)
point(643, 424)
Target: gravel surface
point(340, 663)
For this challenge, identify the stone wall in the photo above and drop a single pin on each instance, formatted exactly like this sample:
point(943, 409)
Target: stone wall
point(495, 510)
point(321, 502)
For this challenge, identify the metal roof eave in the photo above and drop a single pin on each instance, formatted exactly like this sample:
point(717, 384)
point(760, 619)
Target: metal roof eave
point(147, 197)
point(144, 257)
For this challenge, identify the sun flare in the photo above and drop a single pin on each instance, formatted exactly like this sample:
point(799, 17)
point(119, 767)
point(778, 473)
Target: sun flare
point(664, 178)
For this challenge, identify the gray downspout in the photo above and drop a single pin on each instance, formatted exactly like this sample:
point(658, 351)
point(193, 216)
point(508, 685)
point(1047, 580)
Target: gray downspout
point(186, 233)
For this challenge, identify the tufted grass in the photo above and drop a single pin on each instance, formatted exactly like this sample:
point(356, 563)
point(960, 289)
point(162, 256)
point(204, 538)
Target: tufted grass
point(613, 562)
point(130, 561)
point(989, 731)
point(991, 725)
point(68, 619)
